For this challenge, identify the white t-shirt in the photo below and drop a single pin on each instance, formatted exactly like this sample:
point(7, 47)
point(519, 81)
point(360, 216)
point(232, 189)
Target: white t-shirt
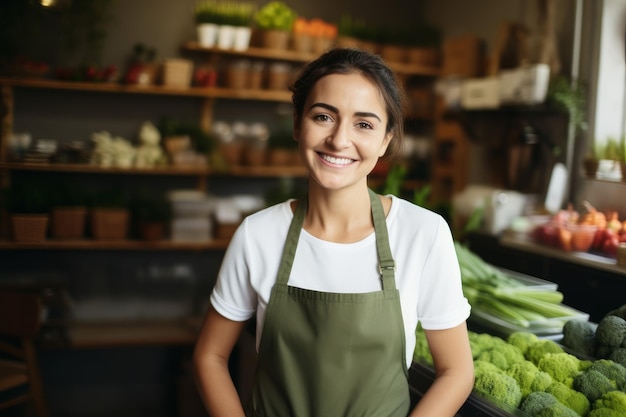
point(427, 271)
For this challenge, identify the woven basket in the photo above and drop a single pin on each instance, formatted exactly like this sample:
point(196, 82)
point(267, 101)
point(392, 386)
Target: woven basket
point(68, 222)
point(29, 227)
point(109, 223)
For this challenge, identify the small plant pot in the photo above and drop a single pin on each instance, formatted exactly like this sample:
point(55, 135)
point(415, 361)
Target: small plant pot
point(152, 231)
point(109, 223)
point(68, 222)
point(275, 39)
point(207, 34)
point(29, 228)
point(243, 34)
point(226, 37)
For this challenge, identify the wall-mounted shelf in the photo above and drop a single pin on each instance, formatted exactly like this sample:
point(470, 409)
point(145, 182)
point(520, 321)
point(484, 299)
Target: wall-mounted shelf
point(125, 244)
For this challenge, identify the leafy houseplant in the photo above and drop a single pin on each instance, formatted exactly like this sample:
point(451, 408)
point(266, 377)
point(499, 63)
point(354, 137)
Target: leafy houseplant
point(276, 20)
point(28, 206)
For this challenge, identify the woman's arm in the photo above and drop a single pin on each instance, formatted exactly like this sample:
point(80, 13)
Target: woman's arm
point(216, 340)
point(454, 373)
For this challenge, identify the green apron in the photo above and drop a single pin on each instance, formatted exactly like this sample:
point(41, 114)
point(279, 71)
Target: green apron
point(332, 354)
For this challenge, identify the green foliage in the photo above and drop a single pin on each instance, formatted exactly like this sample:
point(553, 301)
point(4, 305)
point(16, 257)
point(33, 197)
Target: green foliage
point(569, 96)
point(201, 141)
point(275, 15)
point(356, 27)
point(224, 12)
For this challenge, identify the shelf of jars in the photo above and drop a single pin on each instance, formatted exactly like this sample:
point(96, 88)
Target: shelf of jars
point(170, 170)
point(400, 68)
point(122, 244)
point(112, 87)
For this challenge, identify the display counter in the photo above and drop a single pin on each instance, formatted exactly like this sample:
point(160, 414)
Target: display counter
point(591, 283)
point(421, 377)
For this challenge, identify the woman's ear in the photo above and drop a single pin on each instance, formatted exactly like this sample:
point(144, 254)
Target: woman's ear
point(386, 141)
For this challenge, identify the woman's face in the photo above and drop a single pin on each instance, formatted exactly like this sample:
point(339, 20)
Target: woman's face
point(342, 132)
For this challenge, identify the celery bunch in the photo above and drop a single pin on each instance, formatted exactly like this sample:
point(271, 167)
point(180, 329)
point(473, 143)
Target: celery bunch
point(491, 291)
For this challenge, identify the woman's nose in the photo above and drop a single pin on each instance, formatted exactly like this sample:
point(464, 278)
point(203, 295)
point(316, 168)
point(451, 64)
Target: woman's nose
point(340, 136)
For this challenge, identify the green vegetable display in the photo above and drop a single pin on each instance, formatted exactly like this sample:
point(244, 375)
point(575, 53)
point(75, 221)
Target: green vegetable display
point(540, 378)
point(491, 291)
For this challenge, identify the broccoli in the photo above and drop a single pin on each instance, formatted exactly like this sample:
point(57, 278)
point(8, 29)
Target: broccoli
point(498, 386)
point(592, 384)
point(502, 356)
point(480, 342)
point(569, 397)
point(529, 377)
point(611, 404)
point(522, 340)
point(485, 367)
point(615, 372)
point(543, 404)
point(580, 336)
point(562, 367)
point(619, 356)
point(619, 311)
point(611, 331)
point(535, 351)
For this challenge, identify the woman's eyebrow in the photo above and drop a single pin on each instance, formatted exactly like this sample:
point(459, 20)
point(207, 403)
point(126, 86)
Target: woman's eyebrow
point(335, 110)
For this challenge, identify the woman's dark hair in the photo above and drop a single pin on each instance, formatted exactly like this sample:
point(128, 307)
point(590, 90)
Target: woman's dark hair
point(347, 61)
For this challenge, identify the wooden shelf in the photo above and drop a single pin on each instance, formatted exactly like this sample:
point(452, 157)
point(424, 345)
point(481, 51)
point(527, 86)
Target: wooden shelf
point(126, 244)
point(299, 57)
point(200, 92)
point(96, 334)
point(237, 171)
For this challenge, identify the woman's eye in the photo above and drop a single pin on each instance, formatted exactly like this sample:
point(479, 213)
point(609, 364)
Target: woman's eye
point(365, 125)
point(322, 118)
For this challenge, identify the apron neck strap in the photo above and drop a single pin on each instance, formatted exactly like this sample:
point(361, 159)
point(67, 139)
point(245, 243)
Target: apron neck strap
point(386, 264)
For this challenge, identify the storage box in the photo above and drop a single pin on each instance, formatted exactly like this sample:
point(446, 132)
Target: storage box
point(480, 93)
point(527, 85)
point(177, 73)
point(191, 229)
point(463, 56)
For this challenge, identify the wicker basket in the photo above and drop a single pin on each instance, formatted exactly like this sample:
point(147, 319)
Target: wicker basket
point(109, 223)
point(68, 222)
point(29, 227)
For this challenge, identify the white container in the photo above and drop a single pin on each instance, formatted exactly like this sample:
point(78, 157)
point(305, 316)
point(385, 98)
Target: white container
point(480, 93)
point(207, 34)
point(191, 229)
point(242, 38)
point(527, 85)
point(226, 37)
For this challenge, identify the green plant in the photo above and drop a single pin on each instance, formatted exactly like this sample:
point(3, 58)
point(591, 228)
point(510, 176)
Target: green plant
point(26, 198)
point(275, 15)
point(224, 12)
point(201, 141)
point(569, 96)
point(151, 207)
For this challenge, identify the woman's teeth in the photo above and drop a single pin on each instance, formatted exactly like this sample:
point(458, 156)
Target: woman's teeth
point(336, 161)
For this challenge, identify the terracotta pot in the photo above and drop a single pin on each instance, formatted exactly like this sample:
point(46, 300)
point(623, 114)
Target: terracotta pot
point(109, 223)
point(275, 39)
point(30, 228)
point(68, 222)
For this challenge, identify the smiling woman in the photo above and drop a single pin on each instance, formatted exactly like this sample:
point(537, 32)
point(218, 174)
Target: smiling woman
point(340, 279)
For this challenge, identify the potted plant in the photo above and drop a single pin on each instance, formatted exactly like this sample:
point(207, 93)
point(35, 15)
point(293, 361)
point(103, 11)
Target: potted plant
point(28, 207)
point(109, 216)
point(207, 22)
point(152, 212)
point(282, 148)
point(68, 214)
point(275, 19)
